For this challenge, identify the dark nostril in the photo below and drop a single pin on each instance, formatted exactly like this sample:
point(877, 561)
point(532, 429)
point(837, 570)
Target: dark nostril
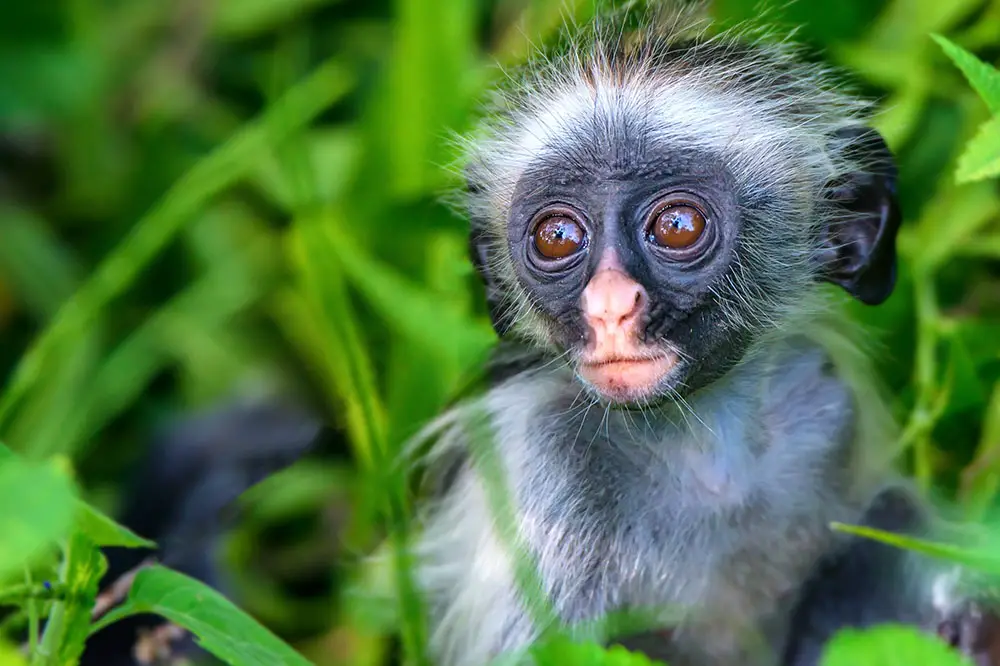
point(638, 303)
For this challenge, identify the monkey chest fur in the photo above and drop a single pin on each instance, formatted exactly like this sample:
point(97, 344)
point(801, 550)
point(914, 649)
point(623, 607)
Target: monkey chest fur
point(710, 513)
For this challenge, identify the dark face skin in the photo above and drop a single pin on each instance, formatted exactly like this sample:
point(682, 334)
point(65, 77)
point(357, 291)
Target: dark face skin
point(636, 255)
point(612, 215)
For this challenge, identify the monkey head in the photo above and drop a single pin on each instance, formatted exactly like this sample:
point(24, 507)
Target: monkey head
point(647, 212)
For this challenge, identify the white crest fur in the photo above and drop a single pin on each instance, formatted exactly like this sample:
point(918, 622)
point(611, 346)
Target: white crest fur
point(770, 116)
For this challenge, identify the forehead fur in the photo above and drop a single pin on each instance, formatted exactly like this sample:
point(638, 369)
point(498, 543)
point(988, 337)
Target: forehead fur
point(768, 117)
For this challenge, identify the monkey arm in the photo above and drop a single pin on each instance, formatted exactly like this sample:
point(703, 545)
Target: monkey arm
point(863, 583)
point(866, 583)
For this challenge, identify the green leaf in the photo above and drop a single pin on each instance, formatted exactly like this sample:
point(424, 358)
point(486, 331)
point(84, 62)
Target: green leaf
point(10, 656)
point(36, 509)
point(527, 577)
point(104, 531)
point(967, 210)
point(221, 627)
point(40, 270)
point(987, 560)
point(562, 651)
point(981, 158)
point(43, 426)
point(69, 621)
point(431, 74)
point(126, 371)
point(44, 82)
point(968, 391)
point(332, 155)
point(982, 77)
point(889, 645)
point(244, 18)
point(99, 528)
point(413, 311)
point(320, 318)
point(304, 487)
point(981, 478)
point(152, 233)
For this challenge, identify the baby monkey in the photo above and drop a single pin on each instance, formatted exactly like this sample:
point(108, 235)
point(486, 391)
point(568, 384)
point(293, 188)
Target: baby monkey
point(656, 215)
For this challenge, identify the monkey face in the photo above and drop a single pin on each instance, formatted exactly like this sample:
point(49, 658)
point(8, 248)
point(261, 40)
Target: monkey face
point(625, 263)
point(650, 224)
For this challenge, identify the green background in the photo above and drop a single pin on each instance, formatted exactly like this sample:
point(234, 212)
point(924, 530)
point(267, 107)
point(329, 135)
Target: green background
point(207, 199)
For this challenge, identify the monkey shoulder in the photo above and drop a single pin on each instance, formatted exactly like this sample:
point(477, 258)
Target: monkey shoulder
point(719, 502)
point(811, 421)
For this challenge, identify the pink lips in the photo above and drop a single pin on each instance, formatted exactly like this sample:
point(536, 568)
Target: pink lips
point(623, 379)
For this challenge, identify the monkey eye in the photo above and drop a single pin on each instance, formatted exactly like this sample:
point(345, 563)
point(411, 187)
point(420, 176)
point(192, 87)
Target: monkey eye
point(677, 225)
point(559, 235)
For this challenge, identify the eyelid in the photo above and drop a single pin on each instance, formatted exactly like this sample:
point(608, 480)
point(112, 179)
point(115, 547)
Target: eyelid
point(676, 197)
point(554, 210)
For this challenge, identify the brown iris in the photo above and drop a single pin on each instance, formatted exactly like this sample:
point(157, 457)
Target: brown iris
point(677, 226)
point(558, 236)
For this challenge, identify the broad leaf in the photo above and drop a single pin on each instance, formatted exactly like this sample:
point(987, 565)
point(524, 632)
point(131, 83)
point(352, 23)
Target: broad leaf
point(99, 528)
point(889, 645)
point(36, 509)
point(104, 531)
point(981, 158)
point(220, 627)
point(982, 77)
point(560, 651)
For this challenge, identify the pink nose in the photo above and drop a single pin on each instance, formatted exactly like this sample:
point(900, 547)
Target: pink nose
point(613, 300)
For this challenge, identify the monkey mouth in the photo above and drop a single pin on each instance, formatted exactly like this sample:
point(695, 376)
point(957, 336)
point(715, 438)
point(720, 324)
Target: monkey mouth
point(624, 379)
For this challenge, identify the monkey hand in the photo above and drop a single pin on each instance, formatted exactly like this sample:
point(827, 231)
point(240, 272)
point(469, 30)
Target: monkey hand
point(973, 628)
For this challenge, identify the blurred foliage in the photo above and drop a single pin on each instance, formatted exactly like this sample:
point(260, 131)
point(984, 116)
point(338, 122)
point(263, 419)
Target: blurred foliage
point(202, 198)
point(888, 646)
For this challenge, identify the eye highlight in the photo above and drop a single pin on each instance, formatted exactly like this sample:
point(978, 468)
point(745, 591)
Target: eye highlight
point(558, 236)
point(677, 225)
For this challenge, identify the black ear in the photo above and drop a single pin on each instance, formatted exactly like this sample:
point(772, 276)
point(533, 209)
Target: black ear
point(481, 253)
point(860, 243)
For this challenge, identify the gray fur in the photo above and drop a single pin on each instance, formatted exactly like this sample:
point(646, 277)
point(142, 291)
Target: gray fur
point(716, 502)
point(719, 506)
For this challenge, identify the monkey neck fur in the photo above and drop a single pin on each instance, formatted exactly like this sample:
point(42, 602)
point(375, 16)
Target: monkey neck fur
point(620, 507)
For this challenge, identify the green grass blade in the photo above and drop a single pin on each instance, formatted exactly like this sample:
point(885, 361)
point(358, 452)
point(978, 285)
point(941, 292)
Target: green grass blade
point(985, 561)
point(218, 170)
